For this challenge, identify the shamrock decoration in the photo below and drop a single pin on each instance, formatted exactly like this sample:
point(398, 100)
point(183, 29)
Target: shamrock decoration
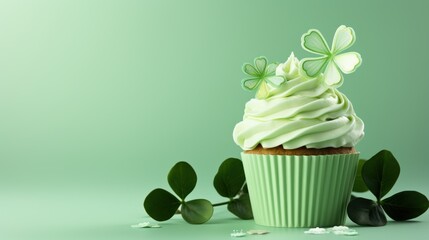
point(262, 75)
point(379, 175)
point(229, 182)
point(331, 63)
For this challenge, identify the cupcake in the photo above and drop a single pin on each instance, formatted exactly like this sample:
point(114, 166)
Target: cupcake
point(299, 134)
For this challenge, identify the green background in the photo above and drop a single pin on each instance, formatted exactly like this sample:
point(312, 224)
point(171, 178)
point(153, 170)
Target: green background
point(98, 99)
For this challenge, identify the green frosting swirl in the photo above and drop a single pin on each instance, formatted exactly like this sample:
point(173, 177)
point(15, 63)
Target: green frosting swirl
point(301, 112)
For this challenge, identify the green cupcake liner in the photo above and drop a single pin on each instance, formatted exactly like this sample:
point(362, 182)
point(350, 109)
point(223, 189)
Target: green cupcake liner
point(300, 191)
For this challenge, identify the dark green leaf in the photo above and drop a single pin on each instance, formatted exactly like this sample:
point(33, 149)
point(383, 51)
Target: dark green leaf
point(366, 212)
point(230, 178)
point(182, 179)
point(380, 173)
point(241, 207)
point(197, 211)
point(405, 205)
point(359, 184)
point(161, 205)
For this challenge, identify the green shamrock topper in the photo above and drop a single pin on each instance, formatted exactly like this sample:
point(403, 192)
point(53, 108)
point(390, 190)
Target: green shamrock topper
point(261, 75)
point(331, 63)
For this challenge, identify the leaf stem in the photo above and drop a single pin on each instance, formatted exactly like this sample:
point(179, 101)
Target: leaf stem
point(220, 204)
point(214, 205)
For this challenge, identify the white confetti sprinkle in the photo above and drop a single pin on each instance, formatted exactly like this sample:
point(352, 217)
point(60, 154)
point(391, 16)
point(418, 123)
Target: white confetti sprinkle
point(343, 230)
point(236, 233)
point(145, 225)
point(316, 230)
point(339, 228)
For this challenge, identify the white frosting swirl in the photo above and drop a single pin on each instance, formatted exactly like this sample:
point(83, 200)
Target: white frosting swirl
point(301, 112)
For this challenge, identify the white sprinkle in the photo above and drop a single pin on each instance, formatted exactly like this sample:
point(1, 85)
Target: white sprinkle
point(236, 233)
point(343, 230)
point(145, 225)
point(316, 230)
point(339, 228)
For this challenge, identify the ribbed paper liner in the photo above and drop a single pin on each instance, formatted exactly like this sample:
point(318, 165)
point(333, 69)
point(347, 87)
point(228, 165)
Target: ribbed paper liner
point(300, 191)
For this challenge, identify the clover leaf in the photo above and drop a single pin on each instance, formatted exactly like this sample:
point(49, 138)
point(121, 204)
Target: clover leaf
point(230, 178)
point(261, 75)
point(379, 174)
point(330, 63)
point(366, 212)
point(197, 211)
point(405, 205)
point(161, 205)
point(182, 179)
point(230, 182)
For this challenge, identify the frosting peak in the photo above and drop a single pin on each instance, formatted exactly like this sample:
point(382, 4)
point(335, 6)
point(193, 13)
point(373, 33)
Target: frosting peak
point(289, 69)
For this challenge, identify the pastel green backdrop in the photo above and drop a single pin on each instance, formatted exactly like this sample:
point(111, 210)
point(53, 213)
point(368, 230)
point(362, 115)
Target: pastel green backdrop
point(98, 99)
